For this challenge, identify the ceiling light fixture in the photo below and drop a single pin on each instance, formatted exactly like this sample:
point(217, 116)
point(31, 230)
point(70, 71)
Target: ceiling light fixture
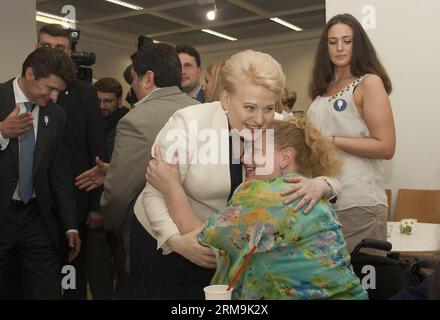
point(51, 18)
point(212, 13)
point(286, 24)
point(218, 34)
point(125, 4)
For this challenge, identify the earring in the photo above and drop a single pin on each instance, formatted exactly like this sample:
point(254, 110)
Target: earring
point(281, 172)
point(226, 112)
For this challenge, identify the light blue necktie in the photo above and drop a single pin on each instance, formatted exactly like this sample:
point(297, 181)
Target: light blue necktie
point(26, 160)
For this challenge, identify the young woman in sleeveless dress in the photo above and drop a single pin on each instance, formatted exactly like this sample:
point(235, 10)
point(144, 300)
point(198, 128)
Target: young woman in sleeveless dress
point(350, 89)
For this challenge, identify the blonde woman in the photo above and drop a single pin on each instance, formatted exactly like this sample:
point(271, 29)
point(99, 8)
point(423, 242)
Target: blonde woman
point(213, 80)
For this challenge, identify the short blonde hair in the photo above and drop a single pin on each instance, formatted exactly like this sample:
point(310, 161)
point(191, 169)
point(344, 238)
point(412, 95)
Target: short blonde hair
point(215, 71)
point(257, 67)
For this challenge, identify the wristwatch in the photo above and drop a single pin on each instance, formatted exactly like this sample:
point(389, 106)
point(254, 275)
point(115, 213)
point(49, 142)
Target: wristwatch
point(331, 194)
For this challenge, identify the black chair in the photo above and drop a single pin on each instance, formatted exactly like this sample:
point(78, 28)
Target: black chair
point(390, 276)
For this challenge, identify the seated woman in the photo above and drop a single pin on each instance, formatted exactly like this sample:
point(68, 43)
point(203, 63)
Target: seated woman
point(297, 256)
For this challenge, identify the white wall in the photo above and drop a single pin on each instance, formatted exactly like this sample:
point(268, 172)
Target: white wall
point(17, 34)
point(407, 39)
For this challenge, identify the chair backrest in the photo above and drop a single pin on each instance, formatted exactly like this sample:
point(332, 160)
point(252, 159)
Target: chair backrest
point(389, 194)
point(423, 205)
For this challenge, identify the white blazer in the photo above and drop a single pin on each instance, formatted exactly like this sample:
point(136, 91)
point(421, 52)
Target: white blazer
point(206, 182)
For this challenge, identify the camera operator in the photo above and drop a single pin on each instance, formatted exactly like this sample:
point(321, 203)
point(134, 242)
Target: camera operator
point(85, 140)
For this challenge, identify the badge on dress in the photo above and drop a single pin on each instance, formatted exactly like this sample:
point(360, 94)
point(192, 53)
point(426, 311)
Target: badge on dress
point(340, 105)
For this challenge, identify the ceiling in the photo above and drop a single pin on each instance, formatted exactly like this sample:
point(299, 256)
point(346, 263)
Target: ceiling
point(180, 21)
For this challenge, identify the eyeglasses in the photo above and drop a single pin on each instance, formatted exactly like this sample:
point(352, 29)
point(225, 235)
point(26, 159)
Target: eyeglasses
point(60, 47)
point(107, 102)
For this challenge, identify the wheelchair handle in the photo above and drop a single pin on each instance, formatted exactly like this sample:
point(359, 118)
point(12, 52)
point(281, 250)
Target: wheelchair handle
point(373, 244)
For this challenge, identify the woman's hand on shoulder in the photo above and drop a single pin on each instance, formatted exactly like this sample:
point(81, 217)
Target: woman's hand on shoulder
point(309, 190)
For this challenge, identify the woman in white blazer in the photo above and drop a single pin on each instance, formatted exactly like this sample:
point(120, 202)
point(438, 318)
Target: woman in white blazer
point(210, 170)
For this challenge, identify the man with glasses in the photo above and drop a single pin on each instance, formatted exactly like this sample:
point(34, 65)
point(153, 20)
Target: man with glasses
point(109, 92)
point(106, 251)
point(85, 140)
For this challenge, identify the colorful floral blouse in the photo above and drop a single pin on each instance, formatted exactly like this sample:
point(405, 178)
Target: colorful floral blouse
point(298, 256)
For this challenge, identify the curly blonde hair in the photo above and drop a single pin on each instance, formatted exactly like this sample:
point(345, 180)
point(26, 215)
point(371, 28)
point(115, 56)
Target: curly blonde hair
point(315, 154)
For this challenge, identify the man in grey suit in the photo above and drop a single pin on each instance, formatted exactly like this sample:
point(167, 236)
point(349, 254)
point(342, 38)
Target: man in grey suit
point(156, 76)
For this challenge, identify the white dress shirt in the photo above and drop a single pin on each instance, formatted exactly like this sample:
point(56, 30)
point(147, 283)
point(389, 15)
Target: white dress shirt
point(145, 98)
point(20, 99)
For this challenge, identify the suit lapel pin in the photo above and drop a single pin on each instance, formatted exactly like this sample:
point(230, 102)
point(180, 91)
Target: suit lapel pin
point(46, 121)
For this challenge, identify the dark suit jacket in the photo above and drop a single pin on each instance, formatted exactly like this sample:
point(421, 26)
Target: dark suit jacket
point(52, 184)
point(85, 138)
point(110, 129)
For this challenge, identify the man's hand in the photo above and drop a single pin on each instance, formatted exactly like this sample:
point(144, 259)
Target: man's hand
point(189, 247)
point(16, 124)
point(95, 220)
point(310, 190)
point(92, 178)
point(74, 245)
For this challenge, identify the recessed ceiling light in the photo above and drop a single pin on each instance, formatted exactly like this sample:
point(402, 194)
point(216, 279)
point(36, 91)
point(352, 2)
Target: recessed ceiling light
point(212, 13)
point(125, 4)
point(286, 24)
point(52, 18)
point(218, 34)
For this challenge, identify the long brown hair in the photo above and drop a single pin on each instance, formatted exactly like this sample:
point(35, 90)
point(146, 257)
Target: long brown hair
point(364, 57)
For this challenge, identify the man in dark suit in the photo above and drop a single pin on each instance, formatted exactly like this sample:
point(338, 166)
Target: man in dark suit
point(36, 194)
point(85, 140)
point(109, 92)
point(105, 250)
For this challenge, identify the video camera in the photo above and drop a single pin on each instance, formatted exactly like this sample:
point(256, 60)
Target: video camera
point(82, 59)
